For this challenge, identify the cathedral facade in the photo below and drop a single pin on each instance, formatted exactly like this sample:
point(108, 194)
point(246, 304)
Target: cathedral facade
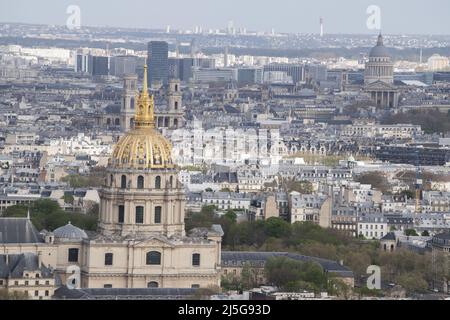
point(141, 240)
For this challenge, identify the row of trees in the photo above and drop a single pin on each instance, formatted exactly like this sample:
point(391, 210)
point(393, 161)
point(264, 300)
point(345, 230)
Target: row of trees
point(47, 214)
point(414, 271)
point(289, 275)
point(94, 179)
point(431, 121)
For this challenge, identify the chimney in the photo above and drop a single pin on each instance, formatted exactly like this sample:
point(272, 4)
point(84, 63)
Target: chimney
point(39, 259)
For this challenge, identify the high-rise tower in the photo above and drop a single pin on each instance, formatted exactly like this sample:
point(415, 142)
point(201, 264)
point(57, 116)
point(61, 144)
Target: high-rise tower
point(158, 73)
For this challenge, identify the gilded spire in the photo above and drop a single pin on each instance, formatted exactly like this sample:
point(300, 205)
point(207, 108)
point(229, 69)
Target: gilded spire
point(144, 115)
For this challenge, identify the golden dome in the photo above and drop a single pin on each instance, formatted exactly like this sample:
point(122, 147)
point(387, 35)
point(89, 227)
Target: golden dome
point(143, 147)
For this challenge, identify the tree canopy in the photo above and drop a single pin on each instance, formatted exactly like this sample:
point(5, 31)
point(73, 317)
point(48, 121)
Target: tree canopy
point(47, 214)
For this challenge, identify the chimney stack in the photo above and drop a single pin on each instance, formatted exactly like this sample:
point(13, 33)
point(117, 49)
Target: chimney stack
point(39, 259)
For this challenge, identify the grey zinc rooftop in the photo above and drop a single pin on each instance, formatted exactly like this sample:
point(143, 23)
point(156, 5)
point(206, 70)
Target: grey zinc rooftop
point(70, 232)
point(19, 263)
point(125, 293)
point(18, 230)
point(235, 258)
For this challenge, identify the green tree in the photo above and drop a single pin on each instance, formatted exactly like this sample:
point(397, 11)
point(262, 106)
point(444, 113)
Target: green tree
point(285, 273)
point(202, 219)
point(339, 288)
point(249, 277)
point(231, 216)
point(408, 193)
point(230, 282)
point(425, 233)
point(411, 233)
point(413, 282)
point(47, 214)
point(277, 227)
point(68, 198)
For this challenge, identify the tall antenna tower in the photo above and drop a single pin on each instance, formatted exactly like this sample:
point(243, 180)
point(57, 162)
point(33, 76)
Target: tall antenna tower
point(321, 26)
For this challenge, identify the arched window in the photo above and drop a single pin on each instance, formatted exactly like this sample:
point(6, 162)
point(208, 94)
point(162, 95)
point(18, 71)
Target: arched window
point(175, 123)
point(111, 180)
point(196, 259)
point(108, 259)
point(176, 105)
point(140, 182)
point(139, 214)
point(152, 284)
point(123, 182)
point(117, 122)
point(132, 103)
point(171, 181)
point(153, 258)
point(176, 88)
point(158, 182)
point(158, 211)
point(108, 121)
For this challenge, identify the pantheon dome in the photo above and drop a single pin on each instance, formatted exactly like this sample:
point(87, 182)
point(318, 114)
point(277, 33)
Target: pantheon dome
point(379, 51)
point(380, 66)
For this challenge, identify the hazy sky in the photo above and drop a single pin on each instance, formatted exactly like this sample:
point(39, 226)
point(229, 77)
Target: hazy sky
point(296, 16)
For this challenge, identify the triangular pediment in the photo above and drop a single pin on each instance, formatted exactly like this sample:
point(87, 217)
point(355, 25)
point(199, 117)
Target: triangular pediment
point(379, 85)
point(154, 241)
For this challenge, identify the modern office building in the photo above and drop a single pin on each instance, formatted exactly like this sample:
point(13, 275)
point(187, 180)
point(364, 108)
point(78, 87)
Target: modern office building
point(94, 65)
point(296, 71)
point(123, 65)
point(249, 76)
point(158, 62)
point(100, 66)
point(214, 75)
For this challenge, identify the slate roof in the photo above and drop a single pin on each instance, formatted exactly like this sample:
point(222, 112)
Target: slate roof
point(18, 230)
point(70, 232)
point(230, 177)
point(113, 109)
point(124, 293)
point(443, 236)
point(18, 263)
point(235, 258)
point(389, 236)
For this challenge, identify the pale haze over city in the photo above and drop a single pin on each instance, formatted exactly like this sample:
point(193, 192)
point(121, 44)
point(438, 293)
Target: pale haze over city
point(292, 16)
